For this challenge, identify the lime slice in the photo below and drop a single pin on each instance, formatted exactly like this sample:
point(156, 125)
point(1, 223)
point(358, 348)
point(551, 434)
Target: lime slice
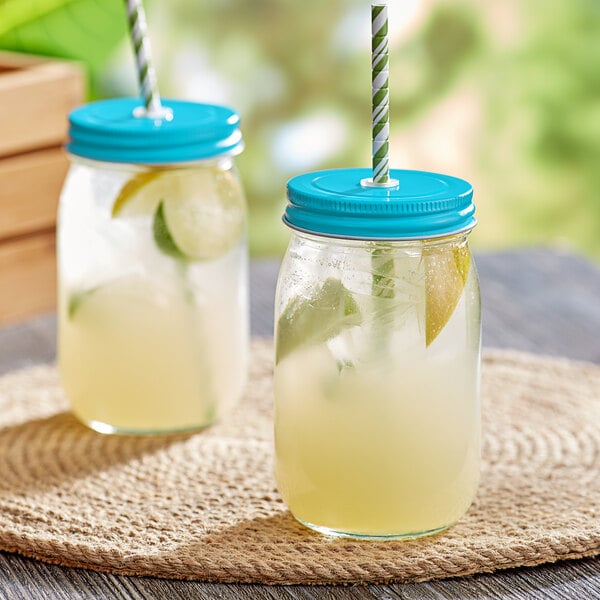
point(317, 318)
point(77, 299)
point(446, 272)
point(123, 300)
point(202, 229)
point(83, 303)
point(162, 235)
point(200, 211)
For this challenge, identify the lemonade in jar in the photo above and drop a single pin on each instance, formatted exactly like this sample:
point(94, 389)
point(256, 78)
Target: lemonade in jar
point(152, 264)
point(377, 359)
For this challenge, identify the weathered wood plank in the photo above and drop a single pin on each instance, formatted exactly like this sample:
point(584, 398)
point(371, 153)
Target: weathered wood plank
point(27, 344)
point(541, 301)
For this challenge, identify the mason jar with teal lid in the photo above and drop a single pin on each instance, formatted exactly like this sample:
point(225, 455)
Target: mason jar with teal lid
point(378, 327)
point(152, 267)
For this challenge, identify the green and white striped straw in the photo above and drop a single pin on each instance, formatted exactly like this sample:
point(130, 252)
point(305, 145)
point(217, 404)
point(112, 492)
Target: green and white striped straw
point(382, 256)
point(381, 95)
point(143, 58)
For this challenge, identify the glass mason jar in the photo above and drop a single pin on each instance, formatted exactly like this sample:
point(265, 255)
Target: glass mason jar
point(378, 326)
point(152, 268)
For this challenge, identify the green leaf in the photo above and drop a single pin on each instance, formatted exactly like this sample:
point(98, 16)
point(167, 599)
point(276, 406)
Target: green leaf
point(316, 319)
point(16, 13)
point(84, 30)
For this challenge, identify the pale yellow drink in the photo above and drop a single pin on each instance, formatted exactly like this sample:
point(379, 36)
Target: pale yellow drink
point(377, 431)
point(135, 357)
point(153, 324)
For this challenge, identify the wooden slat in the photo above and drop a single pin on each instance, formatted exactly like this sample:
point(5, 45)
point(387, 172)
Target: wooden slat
point(27, 276)
point(36, 96)
point(30, 186)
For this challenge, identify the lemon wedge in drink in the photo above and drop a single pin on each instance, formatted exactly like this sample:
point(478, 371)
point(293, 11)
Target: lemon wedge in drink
point(134, 199)
point(446, 272)
point(198, 213)
point(323, 315)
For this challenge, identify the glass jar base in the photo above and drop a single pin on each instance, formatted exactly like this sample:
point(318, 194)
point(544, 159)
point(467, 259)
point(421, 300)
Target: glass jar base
point(108, 429)
point(372, 537)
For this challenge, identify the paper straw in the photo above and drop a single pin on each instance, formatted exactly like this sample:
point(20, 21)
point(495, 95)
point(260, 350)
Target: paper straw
point(382, 257)
point(381, 94)
point(143, 58)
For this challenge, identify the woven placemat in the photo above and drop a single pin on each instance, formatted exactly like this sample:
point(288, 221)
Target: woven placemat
point(205, 506)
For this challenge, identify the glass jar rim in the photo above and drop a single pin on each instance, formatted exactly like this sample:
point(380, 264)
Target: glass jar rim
point(451, 238)
point(224, 162)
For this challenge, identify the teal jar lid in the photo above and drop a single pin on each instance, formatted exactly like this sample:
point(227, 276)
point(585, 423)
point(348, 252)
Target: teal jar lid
point(110, 131)
point(335, 203)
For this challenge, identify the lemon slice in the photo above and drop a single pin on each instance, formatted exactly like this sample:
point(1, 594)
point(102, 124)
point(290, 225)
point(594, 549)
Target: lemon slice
point(134, 198)
point(316, 319)
point(200, 211)
point(446, 272)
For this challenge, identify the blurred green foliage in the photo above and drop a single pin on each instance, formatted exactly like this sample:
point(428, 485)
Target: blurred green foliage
point(504, 94)
point(544, 102)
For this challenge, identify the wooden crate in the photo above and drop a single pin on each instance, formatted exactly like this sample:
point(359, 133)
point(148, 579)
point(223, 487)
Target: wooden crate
point(36, 96)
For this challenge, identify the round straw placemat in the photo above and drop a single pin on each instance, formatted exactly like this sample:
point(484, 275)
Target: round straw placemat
point(205, 506)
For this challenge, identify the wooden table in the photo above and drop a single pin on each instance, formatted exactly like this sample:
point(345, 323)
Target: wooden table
point(542, 301)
